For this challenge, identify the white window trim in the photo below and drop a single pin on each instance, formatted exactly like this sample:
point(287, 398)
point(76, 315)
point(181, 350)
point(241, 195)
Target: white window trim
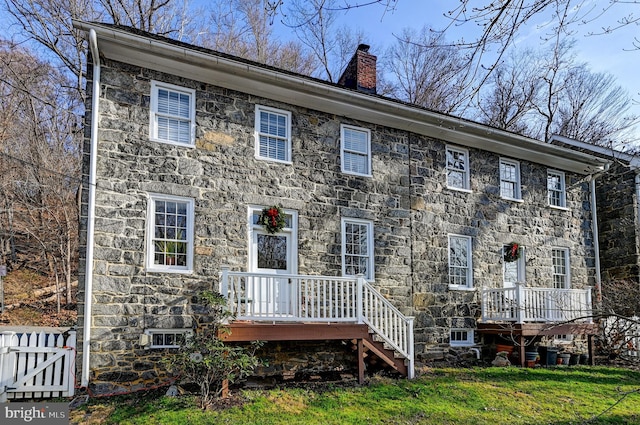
point(175, 332)
point(254, 228)
point(469, 342)
point(567, 263)
point(563, 190)
point(370, 246)
point(469, 286)
point(467, 180)
point(518, 183)
point(520, 263)
point(259, 108)
point(153, 107)
point(343, 150)
point(150, 251)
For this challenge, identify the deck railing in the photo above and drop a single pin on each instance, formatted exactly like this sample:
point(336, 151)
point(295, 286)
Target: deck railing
point(521, 305)
point(299, 298)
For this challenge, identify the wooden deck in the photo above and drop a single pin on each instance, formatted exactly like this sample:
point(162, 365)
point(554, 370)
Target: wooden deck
point(244, 331)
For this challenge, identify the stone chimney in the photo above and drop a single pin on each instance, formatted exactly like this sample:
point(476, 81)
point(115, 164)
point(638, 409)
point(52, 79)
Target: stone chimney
point(360, 73)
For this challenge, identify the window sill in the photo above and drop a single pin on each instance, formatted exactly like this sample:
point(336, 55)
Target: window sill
point(555, 207)
point(517, 200)
point(350, 173)
point(168, 270)
point(459, 189)
point(265, 158)
point(460, 288)
point(191, 145)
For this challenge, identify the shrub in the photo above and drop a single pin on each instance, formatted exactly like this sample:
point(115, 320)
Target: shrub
point(204, 358)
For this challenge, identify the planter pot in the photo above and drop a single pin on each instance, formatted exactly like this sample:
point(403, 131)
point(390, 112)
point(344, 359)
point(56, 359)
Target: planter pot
point(531, 356)
point(548, 355)
point(564, 358)
point(574, 359)
point(584, 359)
point(500, 348)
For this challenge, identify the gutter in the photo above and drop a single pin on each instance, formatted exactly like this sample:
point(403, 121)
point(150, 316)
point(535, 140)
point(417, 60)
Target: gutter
point(91, 218)
point(596, 241)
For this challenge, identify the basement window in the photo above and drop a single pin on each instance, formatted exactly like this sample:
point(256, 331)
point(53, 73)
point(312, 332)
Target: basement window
point(461, 337)
point(166, 338)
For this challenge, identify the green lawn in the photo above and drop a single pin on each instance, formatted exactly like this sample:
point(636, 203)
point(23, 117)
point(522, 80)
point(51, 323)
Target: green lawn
point(559, 396)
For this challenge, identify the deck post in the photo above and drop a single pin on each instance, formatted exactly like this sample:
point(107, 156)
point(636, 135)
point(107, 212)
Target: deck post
point(224, 281)
point(359, 298)
point(520, 299)
point(410, 349)
point(360, 361)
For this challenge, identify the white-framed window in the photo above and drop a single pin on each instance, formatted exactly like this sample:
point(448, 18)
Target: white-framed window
point(457, 168)
point(173, 116)
point(556, 191)
point(355, 150)
point(357, 248)
point(461, 337)
point(170, 233)
point(561, 269)
point(166, 338)
point(460, 266)
point(510, 179)
point(273, 134)
point(513, 271)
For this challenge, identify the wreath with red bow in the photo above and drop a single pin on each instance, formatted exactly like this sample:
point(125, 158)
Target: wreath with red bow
point(512, 252)
point(272, 218)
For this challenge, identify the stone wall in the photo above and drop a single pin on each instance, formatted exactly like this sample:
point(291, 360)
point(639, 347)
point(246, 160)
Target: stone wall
point(407, 200)
point(617, 223)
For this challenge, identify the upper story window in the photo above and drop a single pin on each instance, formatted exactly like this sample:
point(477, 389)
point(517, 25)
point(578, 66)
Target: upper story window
point(561, 276)
point(172, 114)
point(510, 179)
point(170, 234)
point(355, 150)
point(460, 268)
point(273, 134)
point(357, 248)
point(556, 189)
point(458, 168)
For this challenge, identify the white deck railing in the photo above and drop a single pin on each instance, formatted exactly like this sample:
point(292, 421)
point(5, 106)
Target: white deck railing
point(521, 305)
point(298, 298)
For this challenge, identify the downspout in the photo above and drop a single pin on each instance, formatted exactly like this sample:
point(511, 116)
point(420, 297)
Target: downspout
point(596, 242)
point(88, 280)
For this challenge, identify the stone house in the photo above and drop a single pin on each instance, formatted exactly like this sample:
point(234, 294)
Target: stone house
point(617, 201)
point(398, 223)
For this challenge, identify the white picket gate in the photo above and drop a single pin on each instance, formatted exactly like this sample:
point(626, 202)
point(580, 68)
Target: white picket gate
point(37, 365)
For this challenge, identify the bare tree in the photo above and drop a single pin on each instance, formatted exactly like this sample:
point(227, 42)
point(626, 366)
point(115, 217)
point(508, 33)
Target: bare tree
point(40, 152)
point(426, 72)
point(314, 23)
point(540, 93)
point(241, 28)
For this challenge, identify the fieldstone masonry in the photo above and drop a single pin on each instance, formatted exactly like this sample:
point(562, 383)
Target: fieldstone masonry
point(407, 199)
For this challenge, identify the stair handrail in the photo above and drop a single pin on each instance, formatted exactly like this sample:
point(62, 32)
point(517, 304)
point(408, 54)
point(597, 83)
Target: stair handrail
point(372, 317)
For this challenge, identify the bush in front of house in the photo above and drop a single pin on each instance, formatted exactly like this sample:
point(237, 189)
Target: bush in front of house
point(205, 359)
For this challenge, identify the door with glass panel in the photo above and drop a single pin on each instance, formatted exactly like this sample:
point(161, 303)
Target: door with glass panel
point(273, 257)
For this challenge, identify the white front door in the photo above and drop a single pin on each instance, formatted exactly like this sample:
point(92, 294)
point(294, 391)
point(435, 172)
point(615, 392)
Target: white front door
point(275, 255)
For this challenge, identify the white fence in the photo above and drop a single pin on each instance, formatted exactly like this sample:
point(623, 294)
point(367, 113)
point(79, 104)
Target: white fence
point(520, 304)
point(298, 298)
point(37, 365)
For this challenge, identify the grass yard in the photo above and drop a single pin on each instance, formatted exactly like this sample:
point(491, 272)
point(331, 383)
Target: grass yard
point(495, 396)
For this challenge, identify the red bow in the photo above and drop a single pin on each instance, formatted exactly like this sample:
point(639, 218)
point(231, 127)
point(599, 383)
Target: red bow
point(272, 214)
